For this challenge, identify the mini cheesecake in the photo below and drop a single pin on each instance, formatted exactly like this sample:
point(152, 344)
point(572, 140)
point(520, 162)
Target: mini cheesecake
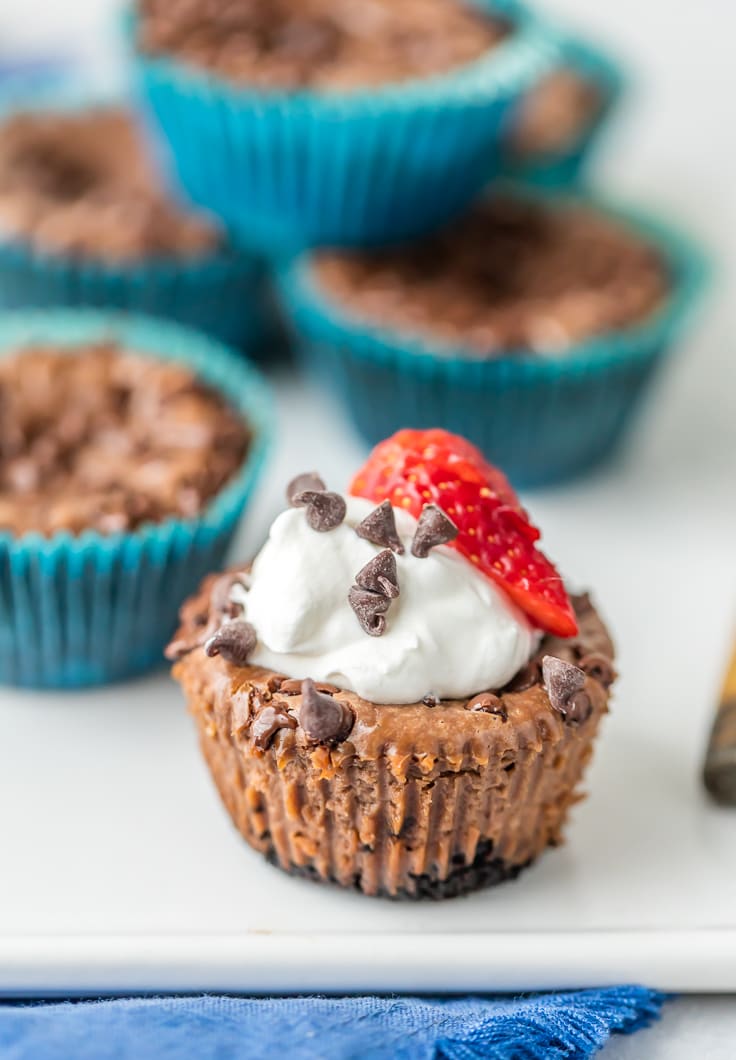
point(376, 708)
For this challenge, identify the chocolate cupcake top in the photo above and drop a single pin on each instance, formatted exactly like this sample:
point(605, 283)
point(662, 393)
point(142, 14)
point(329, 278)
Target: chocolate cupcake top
point(98, 437)
point(512, 275)
point(329, 45)
point(81, 183)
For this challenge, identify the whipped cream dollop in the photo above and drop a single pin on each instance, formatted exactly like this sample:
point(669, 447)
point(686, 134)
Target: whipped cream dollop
point(450, 633)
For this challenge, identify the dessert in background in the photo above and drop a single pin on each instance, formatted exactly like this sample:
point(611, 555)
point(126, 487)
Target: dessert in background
point(513, 276)
point(128, 451)
point(532, 324)
point(335, 122)
point(398, 695)
point(556, 128)
point(82, 183)
point(554, 115)
point(86, 219)
point(108, 439)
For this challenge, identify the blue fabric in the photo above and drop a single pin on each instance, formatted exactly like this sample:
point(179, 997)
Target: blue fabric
point(542, 1027)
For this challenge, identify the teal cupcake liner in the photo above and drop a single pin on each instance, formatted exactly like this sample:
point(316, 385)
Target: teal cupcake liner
point(223, 293)
point(90, 609)
point(289, 170)
point(542, 420)
point(564, 168)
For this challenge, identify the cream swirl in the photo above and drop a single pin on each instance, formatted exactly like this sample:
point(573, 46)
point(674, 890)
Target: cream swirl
point(451, 633)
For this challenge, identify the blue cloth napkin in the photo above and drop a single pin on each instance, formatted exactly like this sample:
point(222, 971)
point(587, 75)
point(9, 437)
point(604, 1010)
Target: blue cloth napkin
point(542, 1027)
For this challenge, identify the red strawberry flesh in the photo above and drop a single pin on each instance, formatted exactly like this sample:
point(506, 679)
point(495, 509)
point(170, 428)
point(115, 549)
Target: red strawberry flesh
point(415, 467)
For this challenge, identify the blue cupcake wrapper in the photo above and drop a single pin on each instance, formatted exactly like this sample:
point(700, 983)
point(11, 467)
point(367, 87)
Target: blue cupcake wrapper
point(541, 420)
point(564, 168)
point(223, 293)
point(89, 609)
point(288, 170)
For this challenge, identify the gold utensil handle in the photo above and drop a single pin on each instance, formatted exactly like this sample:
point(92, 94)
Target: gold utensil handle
point(719, 773)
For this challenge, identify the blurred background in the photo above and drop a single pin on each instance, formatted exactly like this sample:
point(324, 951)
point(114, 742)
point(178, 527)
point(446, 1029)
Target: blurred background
point(671, 146)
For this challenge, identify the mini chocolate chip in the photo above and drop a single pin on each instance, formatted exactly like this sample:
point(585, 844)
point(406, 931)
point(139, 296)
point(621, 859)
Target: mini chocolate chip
point(274, 683)
point(561, 680)
point(433, 528)
point(267, 723)
point(599, 667)
point(324, 719)
point(527, 676)
point(430, 701)
point(488, 703)
point(325, 510)
point(310, 480)
point(370, 609)
point(234, 642)
point(579, 707)
point(379, 575)
point(379, 527)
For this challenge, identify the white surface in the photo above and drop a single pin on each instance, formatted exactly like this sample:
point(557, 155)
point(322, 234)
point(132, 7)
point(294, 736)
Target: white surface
point(654, 536)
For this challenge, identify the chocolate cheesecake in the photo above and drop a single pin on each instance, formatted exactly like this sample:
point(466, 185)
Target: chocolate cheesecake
point(327, 45)
point(104, 438)
point(514, 275)
point(400, 698)
point(81, 183)
point(426, 800)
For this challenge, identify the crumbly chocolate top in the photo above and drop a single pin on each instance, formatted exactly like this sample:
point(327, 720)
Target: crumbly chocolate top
point(511, 275)
point(81, 183)
point(100, 438)
point(323, 44)
point(554, 115)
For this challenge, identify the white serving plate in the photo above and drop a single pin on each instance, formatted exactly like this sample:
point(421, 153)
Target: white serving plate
point(120, 871)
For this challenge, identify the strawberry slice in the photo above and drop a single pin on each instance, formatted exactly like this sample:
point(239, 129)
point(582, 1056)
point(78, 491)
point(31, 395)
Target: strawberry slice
point(415, 467)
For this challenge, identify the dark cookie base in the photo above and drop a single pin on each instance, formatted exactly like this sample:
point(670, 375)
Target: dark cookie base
point(484, 871)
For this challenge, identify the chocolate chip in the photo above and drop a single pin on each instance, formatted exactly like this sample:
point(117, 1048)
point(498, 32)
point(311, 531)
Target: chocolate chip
point(234, 642)
point(379, 527)
point(488, 703)
point(599, 667)
point(379, 575)
point(562, 681)
point(324, 719)
point(527, 676)
point(579, 707)
point(370, 609)
point(430, 701)
point(310, 480)
point(433, 528)
point(325, 510)
point(267, 723)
